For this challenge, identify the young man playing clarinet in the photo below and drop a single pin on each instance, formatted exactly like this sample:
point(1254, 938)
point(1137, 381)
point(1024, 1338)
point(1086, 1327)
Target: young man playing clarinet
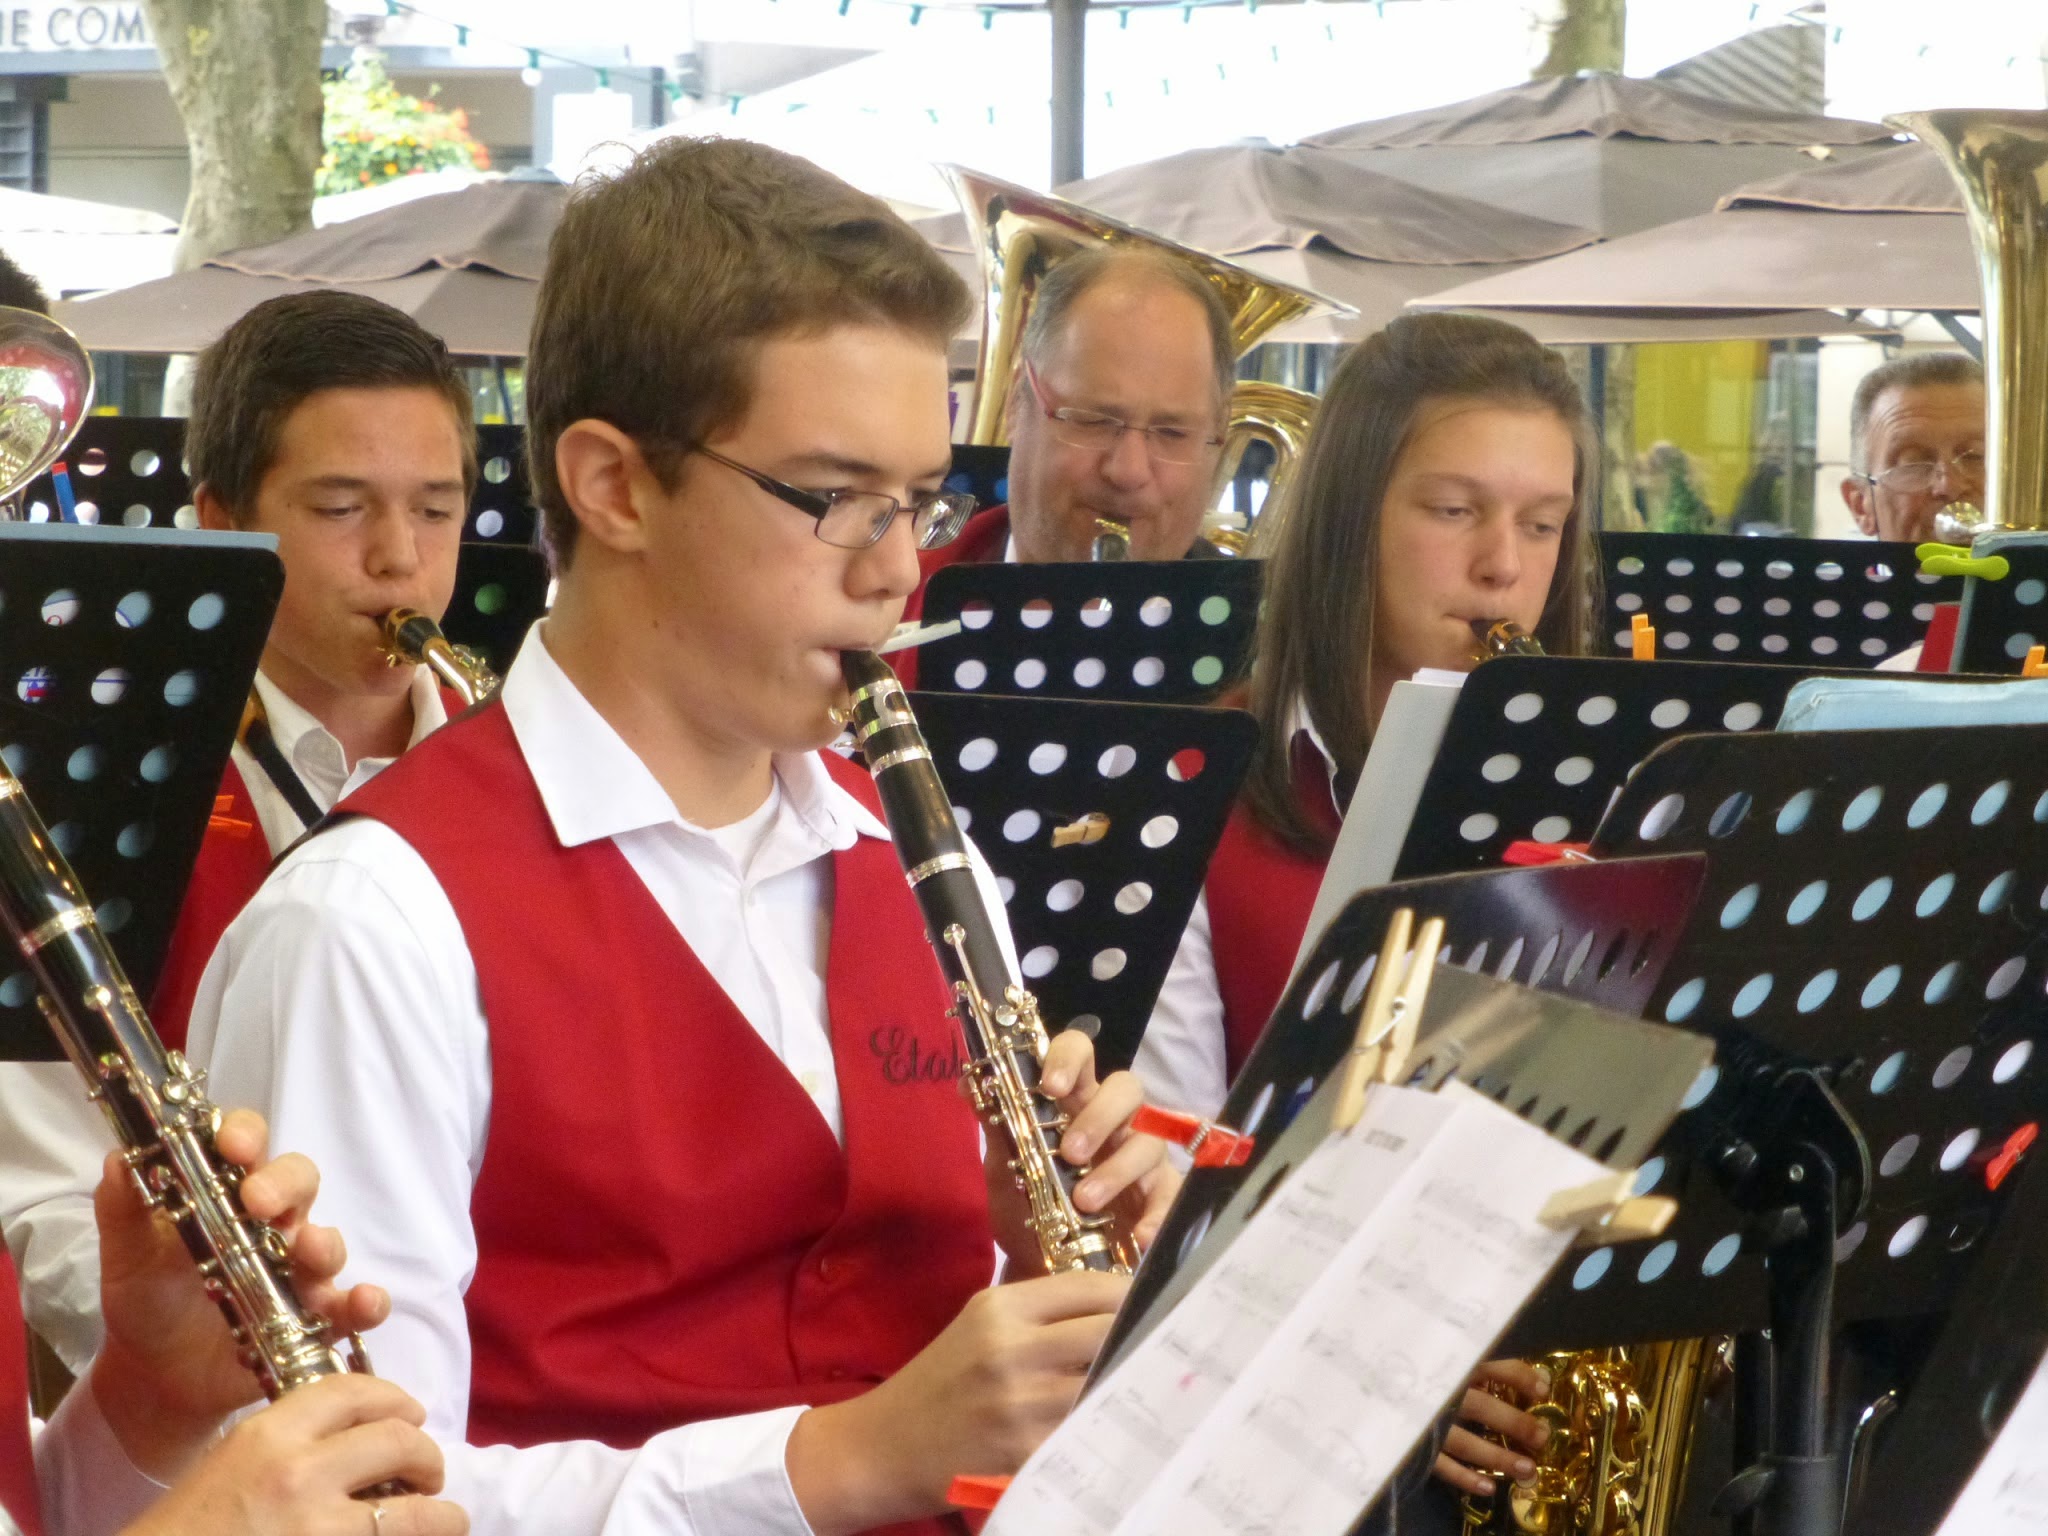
point(341, 426)
point(597, 1007)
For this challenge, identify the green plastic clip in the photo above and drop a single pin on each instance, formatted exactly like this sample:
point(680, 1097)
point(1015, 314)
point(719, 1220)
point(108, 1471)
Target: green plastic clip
point(1956, 560)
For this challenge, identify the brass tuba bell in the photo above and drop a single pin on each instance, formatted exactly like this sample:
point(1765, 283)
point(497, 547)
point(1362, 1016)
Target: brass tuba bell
point(1999, 159)
point(1019, 234)
point(46, 387)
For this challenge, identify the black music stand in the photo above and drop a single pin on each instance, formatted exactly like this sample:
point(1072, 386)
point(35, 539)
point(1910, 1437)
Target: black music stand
point(1867, 951)
point(1721, 597)
point(1598, 933)
point(501, 576)
point(1096, 923)
point(982, 472)
point(125, 657)
point(1152, 632)
point(1537, 745)
point(126, 471)
point(2002, 620)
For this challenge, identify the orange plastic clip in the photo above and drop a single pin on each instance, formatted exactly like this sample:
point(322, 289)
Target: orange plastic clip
point(2036, 664)
point(2009, 1155)
point(221, 821)
point(1642, 638)
point(1209, 1144)
point(976, 1492)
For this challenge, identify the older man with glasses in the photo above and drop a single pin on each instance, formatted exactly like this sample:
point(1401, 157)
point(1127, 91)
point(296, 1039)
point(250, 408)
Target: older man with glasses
point(1116, 415)
point(1916, 443)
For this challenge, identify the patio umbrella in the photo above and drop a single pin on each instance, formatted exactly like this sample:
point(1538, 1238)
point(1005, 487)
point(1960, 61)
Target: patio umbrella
point(1876, 233)
point(1602, 152)
point(465, 264)
point(1319, 220)
point(71, 245)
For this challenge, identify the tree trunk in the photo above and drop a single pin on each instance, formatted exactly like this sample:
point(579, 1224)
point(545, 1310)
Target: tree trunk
point(1584, 34)
point(246, 77)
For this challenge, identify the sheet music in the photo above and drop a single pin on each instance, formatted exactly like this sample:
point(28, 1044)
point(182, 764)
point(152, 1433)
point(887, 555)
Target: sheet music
point(1325, 1413)
point(2008, 1493)
point(1096, 1466)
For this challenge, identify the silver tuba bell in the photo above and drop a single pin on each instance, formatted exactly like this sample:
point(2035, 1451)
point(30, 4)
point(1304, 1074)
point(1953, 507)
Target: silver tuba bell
point(46, 386)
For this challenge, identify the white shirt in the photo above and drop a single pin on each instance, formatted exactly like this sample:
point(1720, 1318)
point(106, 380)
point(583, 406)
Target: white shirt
point(53, 1140)
point(344, 1001)
point(85, 1482)
point(1181, 1058)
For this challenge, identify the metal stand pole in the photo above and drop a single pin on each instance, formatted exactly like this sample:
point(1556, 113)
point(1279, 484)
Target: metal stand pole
point(1069, 88)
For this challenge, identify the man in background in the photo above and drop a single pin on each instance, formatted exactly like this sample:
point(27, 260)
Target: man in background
point(1916, 444)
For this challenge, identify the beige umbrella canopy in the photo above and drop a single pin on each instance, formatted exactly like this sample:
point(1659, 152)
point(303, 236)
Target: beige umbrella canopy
point(465, 264)
point(1877, 233)
point(1319, 220)
point(1602, 152)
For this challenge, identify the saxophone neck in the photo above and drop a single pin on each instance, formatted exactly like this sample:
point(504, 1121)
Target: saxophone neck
point(412, 639)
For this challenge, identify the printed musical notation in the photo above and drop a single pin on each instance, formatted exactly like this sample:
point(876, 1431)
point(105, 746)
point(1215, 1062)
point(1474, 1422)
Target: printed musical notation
point(1291, 1381)
point(2008, 1493)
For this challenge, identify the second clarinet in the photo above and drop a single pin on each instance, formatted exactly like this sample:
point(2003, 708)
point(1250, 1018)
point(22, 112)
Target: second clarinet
point(1005, 1038)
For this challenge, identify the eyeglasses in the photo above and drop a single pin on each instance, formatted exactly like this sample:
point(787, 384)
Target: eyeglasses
point(1099, 433)
point(857, 519)
point(1918, 477)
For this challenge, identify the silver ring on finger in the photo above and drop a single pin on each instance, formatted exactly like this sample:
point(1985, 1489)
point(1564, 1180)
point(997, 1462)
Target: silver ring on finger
point(376, 1518)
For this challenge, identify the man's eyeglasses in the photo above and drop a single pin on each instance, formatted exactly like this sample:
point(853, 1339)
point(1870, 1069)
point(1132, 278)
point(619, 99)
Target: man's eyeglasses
point(1093, 430)
point(856, 519)
point(1917, 478)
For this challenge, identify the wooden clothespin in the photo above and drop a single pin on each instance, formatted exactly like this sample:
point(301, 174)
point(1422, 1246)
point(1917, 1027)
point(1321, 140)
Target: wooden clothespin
point(1642, 638)
point(1605, 1211)
point(2036, 664)
point(1392, 1010)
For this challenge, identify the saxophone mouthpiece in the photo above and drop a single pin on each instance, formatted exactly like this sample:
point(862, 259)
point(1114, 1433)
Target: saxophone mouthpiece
point(1502, 637)
point(1112, 541)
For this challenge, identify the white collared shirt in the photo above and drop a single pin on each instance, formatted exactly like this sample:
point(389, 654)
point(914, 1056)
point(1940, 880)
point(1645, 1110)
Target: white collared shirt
point(52, 1140)
point(317, 757)
point(1181, 1059)
point(344, 1003)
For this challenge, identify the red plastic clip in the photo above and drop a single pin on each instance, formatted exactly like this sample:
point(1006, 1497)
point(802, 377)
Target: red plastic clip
point(976, 1492)
point(221, 821)
point(1526, 852)
point(2009, 1155)
point(1209, 1144)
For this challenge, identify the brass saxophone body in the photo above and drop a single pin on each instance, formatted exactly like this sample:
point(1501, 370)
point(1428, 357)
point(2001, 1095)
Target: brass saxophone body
point(999, 1020)
point(410, 637)
point(158, 1108)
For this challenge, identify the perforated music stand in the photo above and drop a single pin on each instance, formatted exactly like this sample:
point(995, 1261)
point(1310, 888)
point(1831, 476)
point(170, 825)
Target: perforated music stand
point(1154, 632)
point(2002, 620)
point(1096, 923)
point(1867, 954)
point(125, 657)
point(1598, 933)
point(982, 472)
point(1719, 597)
point(1537, 745)
point(126, 471)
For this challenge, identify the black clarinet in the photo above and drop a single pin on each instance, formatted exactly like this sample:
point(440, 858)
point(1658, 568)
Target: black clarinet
point(998, 1018)
point(158, 1107)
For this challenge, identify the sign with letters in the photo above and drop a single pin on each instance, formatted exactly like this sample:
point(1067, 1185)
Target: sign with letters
point(68, 26)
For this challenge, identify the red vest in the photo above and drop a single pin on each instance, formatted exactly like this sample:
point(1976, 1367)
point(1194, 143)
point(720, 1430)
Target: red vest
point(666, 1229)
point(233, 859)
point(983, 539)
point(1260, 893)
point(17, 1462)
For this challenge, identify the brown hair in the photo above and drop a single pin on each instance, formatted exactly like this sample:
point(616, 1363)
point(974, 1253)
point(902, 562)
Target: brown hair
point(1074, 276)
point(267, 363)
point(663, 281)
point(1915, 370)
point(18, 290)
point(1316, 625)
